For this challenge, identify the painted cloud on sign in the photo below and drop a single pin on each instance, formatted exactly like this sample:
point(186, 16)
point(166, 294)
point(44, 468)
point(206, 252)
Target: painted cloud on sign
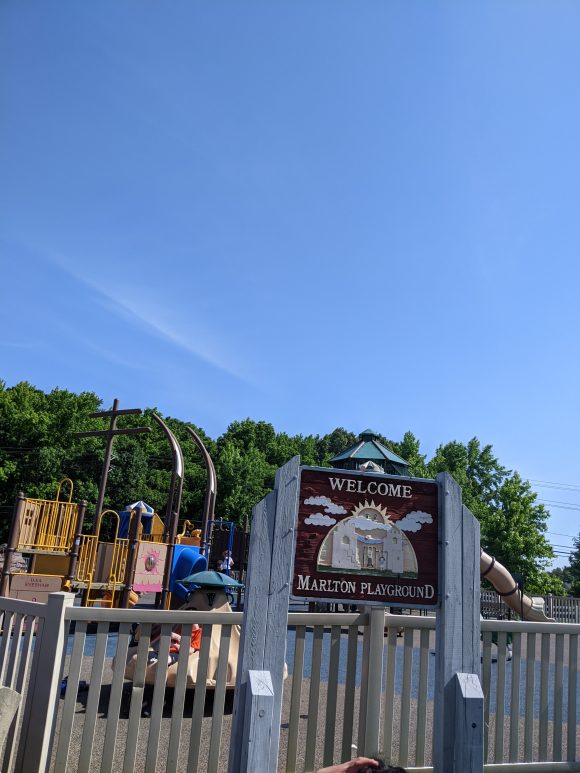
point(328, 504)
point(319, 519)
point(414, 520)
point(365, 524)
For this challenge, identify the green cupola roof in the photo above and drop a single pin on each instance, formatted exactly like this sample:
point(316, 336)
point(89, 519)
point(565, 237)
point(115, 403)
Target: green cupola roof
point(369, 449)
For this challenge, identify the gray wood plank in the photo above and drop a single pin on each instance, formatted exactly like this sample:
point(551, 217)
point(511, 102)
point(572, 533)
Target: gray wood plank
point(199, 700)
point(544, 685)
point(10, 676)
point(558, 699)
point(259, 707)
point(313, 699)
point(11, 747)
point(500, 696)
point(264, 631)
point(219, 699)
point(375, 684)
point(572, 717)
point(114, 706)
point(162, 646)
point(42, 696)
point(458, 621)
point(349, 693)
point(253, 635)
point(96, 679)
point(515, 697)
point(6, 638)
point(529, 708)
point(331, 705)
point(364, 682)
point(179, 697)
point(406, 697)
point(137, 691)
point(287, 484)
point(486, 671)
point(388, 708)
point(70, 700)
point(468, 718)
point(420, 739)
point(295, 699)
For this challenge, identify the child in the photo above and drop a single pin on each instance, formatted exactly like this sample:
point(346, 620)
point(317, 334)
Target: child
point(194, 646)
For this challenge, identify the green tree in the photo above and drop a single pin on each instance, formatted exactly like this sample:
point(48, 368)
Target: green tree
point(336, 441)
point(39, 447)
point(244, 478)
point(408, 449)
point(573, 569)
point(512, 523)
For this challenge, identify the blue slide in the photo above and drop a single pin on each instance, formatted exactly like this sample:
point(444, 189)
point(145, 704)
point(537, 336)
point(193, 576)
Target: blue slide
point(186, 560)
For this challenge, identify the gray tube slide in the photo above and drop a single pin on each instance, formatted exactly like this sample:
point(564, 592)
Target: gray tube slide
point(529, 608)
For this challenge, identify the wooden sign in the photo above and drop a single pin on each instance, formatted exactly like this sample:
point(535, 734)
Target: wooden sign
point(34, 587)
point(151, 557)
point(367, 538)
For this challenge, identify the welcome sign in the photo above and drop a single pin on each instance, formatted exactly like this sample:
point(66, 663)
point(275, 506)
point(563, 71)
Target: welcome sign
point(367, 538)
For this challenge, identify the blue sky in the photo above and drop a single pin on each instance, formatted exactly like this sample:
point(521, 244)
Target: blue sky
point(312, 213)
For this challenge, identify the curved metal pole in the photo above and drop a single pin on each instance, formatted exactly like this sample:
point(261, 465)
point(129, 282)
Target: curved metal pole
point(210, 491)
point(173, 506)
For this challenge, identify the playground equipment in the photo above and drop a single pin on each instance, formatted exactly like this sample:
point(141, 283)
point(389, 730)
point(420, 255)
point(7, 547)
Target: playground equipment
point(529, 608)
point(208, 595)
point(134, 552)
point(126, 555)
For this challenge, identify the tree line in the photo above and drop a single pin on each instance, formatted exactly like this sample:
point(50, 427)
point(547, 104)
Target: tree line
point(39, 446)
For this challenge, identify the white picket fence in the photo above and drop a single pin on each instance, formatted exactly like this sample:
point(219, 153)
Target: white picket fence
point(563, 609)
point(529, 676)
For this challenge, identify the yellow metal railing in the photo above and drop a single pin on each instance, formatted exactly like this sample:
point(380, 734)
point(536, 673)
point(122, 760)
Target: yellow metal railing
point(47, 525)
point(151, 538)
point(119, 561)
point(87, 558)
point(88, 555)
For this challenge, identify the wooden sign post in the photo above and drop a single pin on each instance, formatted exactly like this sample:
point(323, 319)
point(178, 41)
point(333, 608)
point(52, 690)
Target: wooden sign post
point(265, 625)
point(343, 535)
point(458, 727)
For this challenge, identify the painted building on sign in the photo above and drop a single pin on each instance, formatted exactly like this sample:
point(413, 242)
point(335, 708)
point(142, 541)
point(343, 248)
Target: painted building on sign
point(368, 541)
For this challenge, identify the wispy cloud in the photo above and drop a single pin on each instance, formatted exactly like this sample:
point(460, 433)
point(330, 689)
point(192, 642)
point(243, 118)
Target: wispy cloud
point(150, 317)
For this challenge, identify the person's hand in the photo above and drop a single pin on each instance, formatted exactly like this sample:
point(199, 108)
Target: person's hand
point(352, 766)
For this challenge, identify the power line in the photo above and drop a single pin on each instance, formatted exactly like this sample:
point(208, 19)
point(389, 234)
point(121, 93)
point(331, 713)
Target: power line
point(551, 484)
point(562, 505)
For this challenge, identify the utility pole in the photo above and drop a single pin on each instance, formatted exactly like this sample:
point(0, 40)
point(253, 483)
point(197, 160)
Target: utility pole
point(110, 434)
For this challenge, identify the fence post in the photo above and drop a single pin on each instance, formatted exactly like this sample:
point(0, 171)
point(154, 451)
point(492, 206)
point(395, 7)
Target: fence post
point(468, 723)
point(41, 699)
point(458, 646)
point(258, 725)
point(372, 682)
point(265, 624)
